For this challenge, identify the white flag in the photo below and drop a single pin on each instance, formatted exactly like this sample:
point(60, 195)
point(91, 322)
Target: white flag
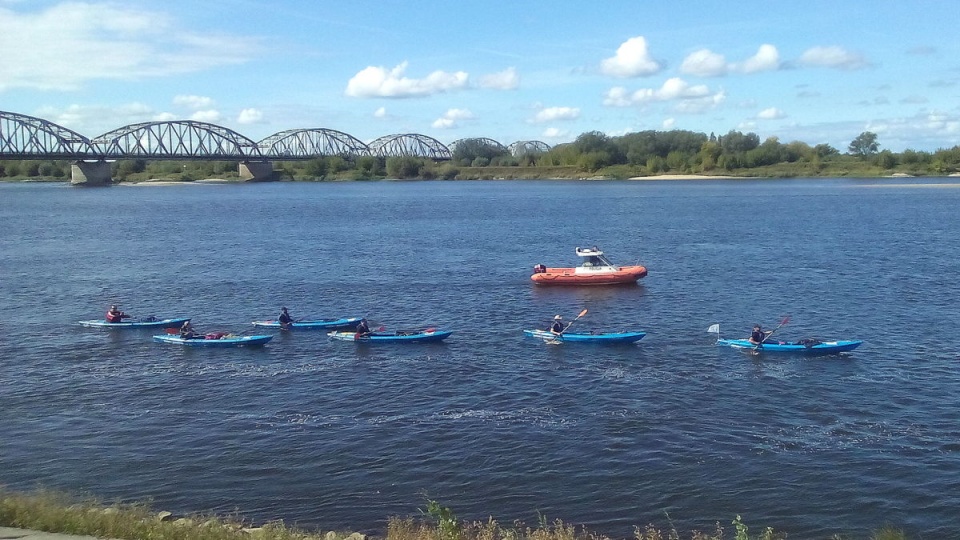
point(714, 329)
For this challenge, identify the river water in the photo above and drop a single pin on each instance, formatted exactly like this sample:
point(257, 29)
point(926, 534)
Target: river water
point(334, 435)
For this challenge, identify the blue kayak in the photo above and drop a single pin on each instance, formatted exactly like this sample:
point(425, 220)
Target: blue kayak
point(148, 322)
point(394, 337)
point(806, 346)
point(323, 324)
point(225, 341)
point(582, 337)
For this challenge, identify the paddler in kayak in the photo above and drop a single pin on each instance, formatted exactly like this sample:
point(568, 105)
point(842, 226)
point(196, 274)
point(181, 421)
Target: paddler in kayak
point(187, 331)
point(557, 326)
point(285, 319)
point(758, 335)
point(114, 315)
point(363, 329)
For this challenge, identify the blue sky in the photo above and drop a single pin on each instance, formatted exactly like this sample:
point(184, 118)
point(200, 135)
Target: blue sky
point(814, 71)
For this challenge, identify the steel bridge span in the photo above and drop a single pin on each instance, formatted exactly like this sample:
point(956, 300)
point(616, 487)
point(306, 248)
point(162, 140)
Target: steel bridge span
point(28, 137)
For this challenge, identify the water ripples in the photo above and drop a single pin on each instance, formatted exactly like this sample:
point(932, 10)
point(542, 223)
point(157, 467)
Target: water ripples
point(337, 435)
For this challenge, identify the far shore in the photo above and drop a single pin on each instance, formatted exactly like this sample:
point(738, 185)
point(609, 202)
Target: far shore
point(668, 177)
point(237, 181)
point(685, 177)
point(179, 182)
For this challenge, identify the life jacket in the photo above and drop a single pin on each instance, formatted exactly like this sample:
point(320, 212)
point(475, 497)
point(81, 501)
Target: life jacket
point(114, 318)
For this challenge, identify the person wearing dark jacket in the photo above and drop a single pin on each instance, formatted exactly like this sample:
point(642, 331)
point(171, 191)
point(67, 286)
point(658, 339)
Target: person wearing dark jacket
point(285, 320)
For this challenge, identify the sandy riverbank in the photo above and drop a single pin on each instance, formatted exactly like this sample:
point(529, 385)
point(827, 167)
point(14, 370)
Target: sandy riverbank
point(683, 177)
point(178, 182)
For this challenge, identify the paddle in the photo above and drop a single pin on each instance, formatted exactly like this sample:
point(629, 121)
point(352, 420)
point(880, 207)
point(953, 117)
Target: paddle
point(559, 336)
point(783, 322)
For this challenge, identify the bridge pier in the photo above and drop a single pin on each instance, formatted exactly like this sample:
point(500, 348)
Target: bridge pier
point(255, 171)
point(90, 173)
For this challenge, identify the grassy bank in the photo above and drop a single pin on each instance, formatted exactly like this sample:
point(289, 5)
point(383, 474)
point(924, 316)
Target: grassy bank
point(60, 513)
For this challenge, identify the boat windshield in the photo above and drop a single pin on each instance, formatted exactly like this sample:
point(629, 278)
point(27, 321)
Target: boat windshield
point(596, 260)
point(604, 261)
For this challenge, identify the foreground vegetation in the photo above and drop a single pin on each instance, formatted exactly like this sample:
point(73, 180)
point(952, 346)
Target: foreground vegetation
point(59, 513)
point(591, 155)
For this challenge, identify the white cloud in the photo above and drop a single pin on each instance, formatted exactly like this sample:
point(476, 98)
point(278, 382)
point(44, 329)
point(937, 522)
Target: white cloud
point(507, 79)
point(95, 120)
point(193, 102)
point(688, 98)
point(833, 57)
point(942, 123)
point(631, 60)
point(375, 81)
point(617, 96)
point(211, 116)
point(250, 116)
point(551, 114)
point(555, 133)
point(766, 59)
point(164, 117)
point(451, 117)
point(669, 123)
point(771, 113)
point(105, 40)
point(380, 113)
point(932, 130)
point(704, 63)
point(699, 105)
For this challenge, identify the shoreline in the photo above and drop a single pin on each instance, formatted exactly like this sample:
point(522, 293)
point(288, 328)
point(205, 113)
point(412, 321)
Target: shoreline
point(665, 177)
point(688, 177)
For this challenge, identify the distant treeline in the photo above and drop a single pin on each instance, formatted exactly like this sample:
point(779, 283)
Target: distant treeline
point(643, 153)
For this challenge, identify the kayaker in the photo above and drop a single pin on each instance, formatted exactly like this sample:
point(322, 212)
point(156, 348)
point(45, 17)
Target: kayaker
point(557, 326)
point(114, 315)
point(284, 319)
point(363, 329)
point(187, 331)
point(758, 335)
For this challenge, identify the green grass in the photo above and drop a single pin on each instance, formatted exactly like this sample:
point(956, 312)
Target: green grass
point(55, 512)
point(58, 513)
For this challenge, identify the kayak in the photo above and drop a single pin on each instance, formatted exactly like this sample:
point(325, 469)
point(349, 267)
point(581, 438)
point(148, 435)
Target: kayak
point(395, 337)
point(322, 324)
point(148, 322)
point(582, 337)
point(226, 340)
point(806, 346)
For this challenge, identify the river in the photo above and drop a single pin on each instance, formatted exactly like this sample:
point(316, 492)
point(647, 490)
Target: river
point(334, 435)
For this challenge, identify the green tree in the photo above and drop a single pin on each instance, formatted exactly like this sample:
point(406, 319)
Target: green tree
point(825, 150)
point(913, 157)
point(404, 167)
point(709, 154)
point(736, 142)
point(656, 164)
point(678, 160)
point(46, 169)
point(886, 159)
point(369, 166)
point(13, 169)
point(864, 145)
point(471, 149)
